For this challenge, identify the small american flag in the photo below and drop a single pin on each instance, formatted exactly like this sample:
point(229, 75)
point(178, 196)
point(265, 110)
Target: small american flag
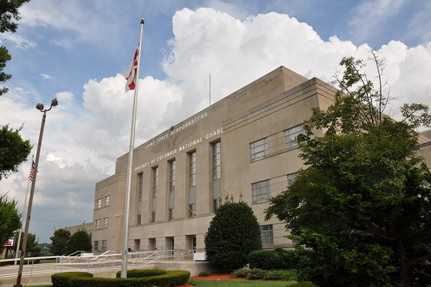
point(32, 171)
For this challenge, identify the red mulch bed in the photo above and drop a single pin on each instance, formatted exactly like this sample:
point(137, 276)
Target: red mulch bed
point(213, 277)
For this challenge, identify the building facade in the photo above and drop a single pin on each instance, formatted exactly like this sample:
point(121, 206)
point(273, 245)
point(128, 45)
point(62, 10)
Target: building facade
point(242, 146)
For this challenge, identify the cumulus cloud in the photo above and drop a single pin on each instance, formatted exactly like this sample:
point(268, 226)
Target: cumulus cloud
point(83, 139)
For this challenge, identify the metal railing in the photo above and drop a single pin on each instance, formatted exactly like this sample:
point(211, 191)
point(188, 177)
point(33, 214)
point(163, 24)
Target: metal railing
point(78, 262)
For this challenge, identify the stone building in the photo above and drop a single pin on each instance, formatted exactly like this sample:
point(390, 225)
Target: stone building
point(242, 146)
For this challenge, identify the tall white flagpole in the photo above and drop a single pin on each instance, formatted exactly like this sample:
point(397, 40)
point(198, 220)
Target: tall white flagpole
point(130, 163)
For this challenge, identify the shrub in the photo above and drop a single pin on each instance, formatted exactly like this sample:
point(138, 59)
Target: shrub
point(233, 233)
point(304, 284)
point(167, 278)
point(62, 279)
point(204, 274)
point(241, 273)
point(139, 273)
point(256, 273)
point(273, 259)
point(281, 275)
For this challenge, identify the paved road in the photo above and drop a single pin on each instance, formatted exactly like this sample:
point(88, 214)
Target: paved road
point(37, 274)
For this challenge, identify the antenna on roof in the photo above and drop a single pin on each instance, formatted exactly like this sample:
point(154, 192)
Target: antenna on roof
point(209, 89)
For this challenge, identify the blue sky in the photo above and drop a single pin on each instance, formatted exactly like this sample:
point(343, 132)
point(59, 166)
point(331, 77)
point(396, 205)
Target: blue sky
point(78, 50)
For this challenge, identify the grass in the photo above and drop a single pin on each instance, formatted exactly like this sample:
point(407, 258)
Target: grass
point(235, 283)
point(229, 283)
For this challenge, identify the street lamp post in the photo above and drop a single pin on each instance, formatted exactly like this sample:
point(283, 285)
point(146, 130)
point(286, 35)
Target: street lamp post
point(41, 108)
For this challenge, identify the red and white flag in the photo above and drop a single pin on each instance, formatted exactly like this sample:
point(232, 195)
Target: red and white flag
point(32, 171)
point(131, 72)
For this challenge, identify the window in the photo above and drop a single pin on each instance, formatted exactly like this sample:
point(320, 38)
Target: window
point(104, 245)
point(151, 243)
point(259, 149)
point(155, 186)
point(261, 190)
point(216, 175)
point(97, 223)
point(291, 134)
point(140, 186)
point(102, 202)
point(96, 245)
point(267, 235)
point(171, 194)
point(216, 160)
point(192, 184)
point(290, 178)
point(105, 222)
point(192, 209)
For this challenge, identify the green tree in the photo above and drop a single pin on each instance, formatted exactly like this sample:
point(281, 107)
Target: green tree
point(232, 235)
point(79, 241)
point(13, 150)
point(10, 219)
point(59, 242)
point(8, 12)
point(360, 210)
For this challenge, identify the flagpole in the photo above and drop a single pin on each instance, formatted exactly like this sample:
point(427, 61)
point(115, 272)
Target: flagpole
point(130, 163)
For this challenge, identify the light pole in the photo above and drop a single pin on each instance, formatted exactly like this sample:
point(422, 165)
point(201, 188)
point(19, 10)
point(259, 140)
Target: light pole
point(41, 108)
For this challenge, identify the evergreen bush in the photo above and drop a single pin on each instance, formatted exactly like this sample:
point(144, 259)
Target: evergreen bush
point(240, 273)
point(232, 235)
point(281, 275)
point(256, 273)
point(62, 279)
point(273, 259)
point(83, 279)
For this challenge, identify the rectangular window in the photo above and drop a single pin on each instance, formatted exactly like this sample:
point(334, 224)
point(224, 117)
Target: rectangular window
point(97, 223)
point(107, 200)
point(104, 245)
point(155, 187)
point(155, 181)
point(192, 184)
point(216, 175)
point(99, 203)
point(151, 243)
point(259, 149)
point(291, 134)
point(192, 209)
point(216, 160)
point(171, 194)
point(291, 177)
point(261, 190)
point(96, 245)
point(140, 186)
point(105, 222)
point(267, 235)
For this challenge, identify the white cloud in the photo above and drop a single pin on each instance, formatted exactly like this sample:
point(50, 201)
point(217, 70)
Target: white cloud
point(420, 23)
point(75, 21)
point(369, 16)
point(83, 139)
point(46, 76)
point(19, 41)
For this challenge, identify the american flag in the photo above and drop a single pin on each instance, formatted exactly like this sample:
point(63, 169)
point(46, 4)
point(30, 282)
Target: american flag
point(32, 171)
point(131, 72)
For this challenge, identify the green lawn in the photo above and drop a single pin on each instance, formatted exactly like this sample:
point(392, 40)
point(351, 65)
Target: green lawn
point(234, 283)
point(230, 283)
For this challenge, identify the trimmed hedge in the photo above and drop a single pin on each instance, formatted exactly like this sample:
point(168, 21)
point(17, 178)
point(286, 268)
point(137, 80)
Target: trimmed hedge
point(138, 273)
point(62, 279)
point(148, 278)
point(304, 284)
